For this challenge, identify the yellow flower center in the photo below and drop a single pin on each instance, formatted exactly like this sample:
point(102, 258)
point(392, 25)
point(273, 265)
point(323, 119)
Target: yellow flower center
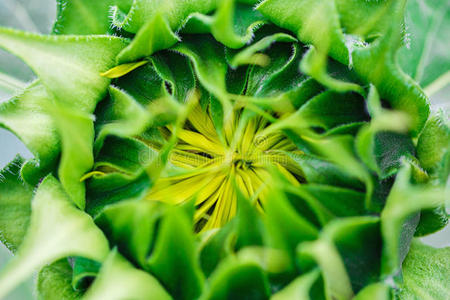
point(210, 166)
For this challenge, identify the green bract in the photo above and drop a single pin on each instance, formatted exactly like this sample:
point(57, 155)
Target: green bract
point(221, 149)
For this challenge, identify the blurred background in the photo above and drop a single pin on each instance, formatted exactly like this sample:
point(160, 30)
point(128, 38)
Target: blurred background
point(38, 16)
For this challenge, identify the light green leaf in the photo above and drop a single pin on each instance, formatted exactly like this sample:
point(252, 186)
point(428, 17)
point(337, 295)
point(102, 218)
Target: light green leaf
point(54, 282)
point(425, 54)
point(300, 288)
point(68, 66)
point(26, 116)
point(85, 16)
point(10, 85)
point(324, 254)
point(76, 130)
point(15, 205)
point(425, 273)
point(118, 279)
point(375, 291)
point(57, 230)
point(175, 12)
point(210, 66)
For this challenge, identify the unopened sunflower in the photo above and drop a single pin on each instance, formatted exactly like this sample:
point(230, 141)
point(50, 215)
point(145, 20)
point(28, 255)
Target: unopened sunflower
point(221, 149)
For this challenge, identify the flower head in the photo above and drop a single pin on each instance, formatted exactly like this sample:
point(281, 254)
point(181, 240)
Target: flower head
point(211, 165)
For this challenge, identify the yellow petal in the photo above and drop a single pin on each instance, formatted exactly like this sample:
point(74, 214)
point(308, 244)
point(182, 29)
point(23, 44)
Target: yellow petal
point(202, 122)
point(124, 69)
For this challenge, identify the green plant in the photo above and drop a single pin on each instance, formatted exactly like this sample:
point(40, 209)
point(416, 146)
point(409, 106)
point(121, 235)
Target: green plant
point(210, 149)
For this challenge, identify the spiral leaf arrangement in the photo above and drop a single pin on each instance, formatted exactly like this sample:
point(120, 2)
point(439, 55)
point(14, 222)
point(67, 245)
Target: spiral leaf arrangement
point(220, 149)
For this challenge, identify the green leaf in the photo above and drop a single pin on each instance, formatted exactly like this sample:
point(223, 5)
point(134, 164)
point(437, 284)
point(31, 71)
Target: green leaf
point(15, 205)
point(367, 19)
point(432, 220)
point(207, 56)
point(382, 143)
point(85, 16)
point(424, 57)
point(143, 84)
point(340, 151)
point(68, 66)
point(373, 63)
point(249, 226)
point(425, 273)
point(280, 75)
point(175, 12)
point(176, 70)
point(377, 64)
point(153, 36)
point(54, 282)
point(330, 109)
point(174, 250)
point(315, 22)
point(216, 246)
point(132, 227)
point(118, 279)
point(123, 116)
point(84, 271)
point(433, 145)
point(233, 24)
point(321, 171)
point(113, 188)
point(341, 202)
point(399, 218)
point(286, 227)
point(389, 150)
point(237, 279)
point(250, 54)
point(358, 241)
point(57, 230)
point(123, 155)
